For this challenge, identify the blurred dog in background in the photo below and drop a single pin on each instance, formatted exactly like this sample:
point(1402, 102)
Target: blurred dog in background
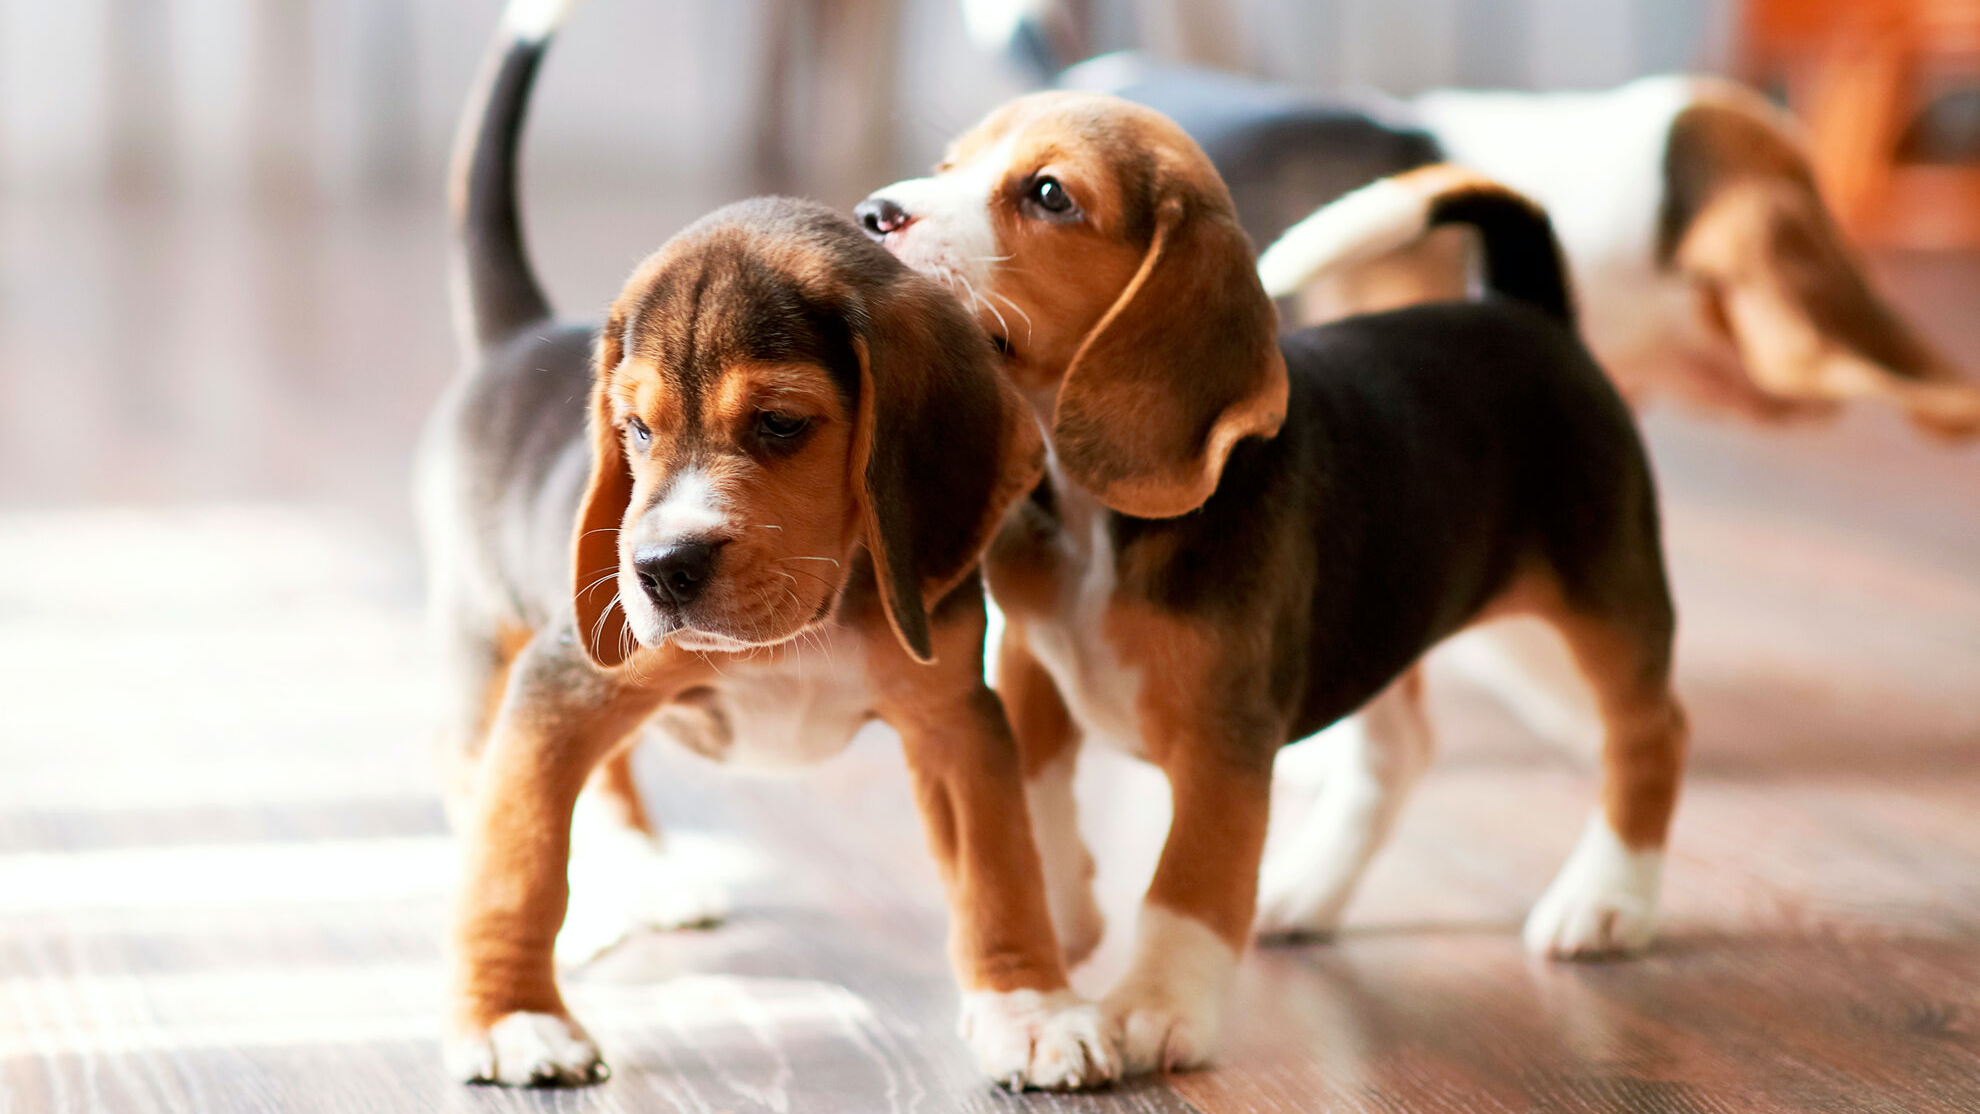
point(1707, 267)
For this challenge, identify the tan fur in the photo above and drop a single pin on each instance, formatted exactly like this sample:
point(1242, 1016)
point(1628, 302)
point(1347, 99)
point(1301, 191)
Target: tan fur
point(1146, 444)
point(1037, 713)
point(1433, 269)
point(613, 780)
point(968, 782)
point(1201, 690)
point(1644, 728)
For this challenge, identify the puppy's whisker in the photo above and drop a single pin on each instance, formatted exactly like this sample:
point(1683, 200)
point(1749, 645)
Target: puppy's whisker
point(1015, 308)
point(763, 526)
point(834, 561)
point(598, 626)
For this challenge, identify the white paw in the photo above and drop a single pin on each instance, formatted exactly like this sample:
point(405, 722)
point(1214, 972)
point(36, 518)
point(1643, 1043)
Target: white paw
point(525, 1050)
point(1159, 1029)
point(1291, 906)
point(623, 883)
point(1167, 1012)
point(1603, 903)
point(1048, 1041)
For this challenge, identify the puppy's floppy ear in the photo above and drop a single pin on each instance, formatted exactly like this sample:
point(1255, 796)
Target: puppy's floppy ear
point(943, 446)
point(1184, 365)
point(601, 621)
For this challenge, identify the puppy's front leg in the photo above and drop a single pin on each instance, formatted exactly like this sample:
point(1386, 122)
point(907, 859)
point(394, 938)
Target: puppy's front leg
point(1196, 916)
point(559, 718)
point(1025, 1025)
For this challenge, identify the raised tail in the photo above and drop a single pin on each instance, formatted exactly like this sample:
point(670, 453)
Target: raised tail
point(1522, 259)
point(494, 286)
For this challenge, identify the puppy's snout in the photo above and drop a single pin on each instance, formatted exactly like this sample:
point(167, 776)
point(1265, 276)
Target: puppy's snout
point(676, 575)
point(879, 216)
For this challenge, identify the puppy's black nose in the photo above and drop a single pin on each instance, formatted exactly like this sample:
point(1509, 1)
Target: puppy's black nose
point(880, 216)
point(675, 575)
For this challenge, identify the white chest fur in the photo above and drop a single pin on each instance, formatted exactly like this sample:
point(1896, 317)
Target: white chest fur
point(801, 708)
point(1101, 691)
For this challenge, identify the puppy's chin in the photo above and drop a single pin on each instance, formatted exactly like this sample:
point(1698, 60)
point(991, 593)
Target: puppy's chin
point(709, 629)
point(709, 643)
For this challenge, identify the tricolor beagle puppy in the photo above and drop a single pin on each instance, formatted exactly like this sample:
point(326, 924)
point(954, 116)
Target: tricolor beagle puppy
point(1706, 266)
point(1244, 537)
point(748, 509)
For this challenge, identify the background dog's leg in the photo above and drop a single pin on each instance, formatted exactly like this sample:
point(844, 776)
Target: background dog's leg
point(623, 876)
point(1025, 1025)
point(1803, 316)
point(1604, 901)
point(559, 718)
point(1048, 745)
point(1308, 879)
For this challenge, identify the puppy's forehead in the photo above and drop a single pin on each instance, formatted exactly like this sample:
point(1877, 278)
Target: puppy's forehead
point(1074, 122)
point(731, 296)
point(1133, 153)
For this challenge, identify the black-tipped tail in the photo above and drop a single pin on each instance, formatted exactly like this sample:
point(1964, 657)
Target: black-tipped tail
point(1521, 259)
point(495, 288)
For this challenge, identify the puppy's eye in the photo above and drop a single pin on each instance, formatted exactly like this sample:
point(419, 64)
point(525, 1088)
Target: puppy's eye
point(640, 433)
point(780, 426)
point(1048, 195)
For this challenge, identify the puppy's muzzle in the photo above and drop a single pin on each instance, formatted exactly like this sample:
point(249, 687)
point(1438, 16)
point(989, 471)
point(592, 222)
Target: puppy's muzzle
point(674, 576)
point(880, 215)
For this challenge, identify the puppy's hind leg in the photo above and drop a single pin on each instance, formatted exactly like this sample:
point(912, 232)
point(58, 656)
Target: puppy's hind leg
point(1604, 901)
point(1309, 878)
point(475, 672)
point(624, 878)
point(1048, 745)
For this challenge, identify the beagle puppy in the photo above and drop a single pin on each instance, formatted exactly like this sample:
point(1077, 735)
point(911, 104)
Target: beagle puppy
point(747, 510)
point(1244, 537)
point(1707, 267)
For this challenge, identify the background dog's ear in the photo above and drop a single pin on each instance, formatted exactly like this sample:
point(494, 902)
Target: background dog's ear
point(1184, 365)
point(943, 446)
point(601, 621)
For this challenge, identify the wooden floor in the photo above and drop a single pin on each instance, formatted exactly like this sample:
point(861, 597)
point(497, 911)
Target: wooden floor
point(223, 868)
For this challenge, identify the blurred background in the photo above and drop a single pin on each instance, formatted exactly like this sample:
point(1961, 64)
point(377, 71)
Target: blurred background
point(223, 318)
point(220, 238)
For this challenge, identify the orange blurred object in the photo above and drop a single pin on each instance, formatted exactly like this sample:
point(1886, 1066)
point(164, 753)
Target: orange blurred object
point(1859, 72)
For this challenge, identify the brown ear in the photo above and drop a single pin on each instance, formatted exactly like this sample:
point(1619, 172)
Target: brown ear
point(1184, 365)
point(601, 621)
point(944, 446)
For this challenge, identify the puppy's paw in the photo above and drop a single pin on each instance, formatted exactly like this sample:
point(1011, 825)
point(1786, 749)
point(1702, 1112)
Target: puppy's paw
point(623, 883)
point(1290, 907)
point(1603, 904)
point(1050, 1041)
point(526, 1050)
point(1159, 1029)
point(1167, 1012)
